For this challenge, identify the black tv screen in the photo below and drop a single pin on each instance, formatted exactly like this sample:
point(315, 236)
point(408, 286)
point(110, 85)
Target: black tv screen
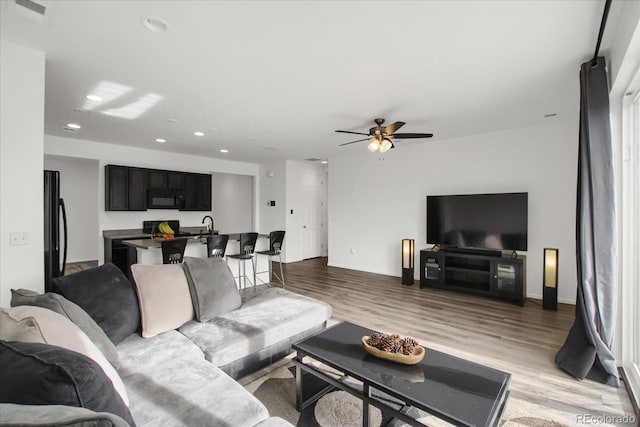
point(486, 221)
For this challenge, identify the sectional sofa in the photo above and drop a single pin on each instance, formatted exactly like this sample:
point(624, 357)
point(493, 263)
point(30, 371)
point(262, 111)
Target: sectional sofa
point(175, 340)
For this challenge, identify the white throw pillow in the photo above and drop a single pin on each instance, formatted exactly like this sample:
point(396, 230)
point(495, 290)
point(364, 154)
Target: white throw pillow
point(57, 330)
point(163, 297)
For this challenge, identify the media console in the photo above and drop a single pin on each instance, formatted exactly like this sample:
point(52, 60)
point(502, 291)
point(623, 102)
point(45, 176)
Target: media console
point(500, 277)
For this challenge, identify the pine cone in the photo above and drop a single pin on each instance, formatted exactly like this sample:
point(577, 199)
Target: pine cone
point(375, 339)
point(408, 345)
point(390, 343)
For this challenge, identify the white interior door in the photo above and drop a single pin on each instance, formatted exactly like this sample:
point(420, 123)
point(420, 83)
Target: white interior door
point(313, 226)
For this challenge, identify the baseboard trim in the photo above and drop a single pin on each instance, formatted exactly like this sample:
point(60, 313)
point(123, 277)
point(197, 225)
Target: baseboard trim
point(635, 400)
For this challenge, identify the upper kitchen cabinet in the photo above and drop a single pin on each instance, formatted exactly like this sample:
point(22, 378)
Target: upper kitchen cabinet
point(125, 188)
point(197, 192)
point(166, 180)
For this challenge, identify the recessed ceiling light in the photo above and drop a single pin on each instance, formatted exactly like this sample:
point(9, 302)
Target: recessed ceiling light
point(198, 133)
point(73, 125)
point(155, 24)
point(160, 140)
point(92, 97)
point(324, 162)
point(224, 150)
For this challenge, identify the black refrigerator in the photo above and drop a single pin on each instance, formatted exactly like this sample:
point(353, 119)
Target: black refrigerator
point(55, 229)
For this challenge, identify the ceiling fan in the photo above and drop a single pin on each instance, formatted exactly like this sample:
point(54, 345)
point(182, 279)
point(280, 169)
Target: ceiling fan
point(381, 138)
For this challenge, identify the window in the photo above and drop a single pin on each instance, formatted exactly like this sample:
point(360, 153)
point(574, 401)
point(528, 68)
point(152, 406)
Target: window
point(631, 234)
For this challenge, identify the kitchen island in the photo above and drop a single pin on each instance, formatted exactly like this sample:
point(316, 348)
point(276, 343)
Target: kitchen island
point(149, 251)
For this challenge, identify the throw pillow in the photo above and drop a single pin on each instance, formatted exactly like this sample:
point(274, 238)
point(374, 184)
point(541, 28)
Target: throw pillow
point(106, 295)
point(41, 374)
point(163, 294)
point(213, 288)
point(25, 330)
point(71, 311)
point(56, 416)
point(59, 331)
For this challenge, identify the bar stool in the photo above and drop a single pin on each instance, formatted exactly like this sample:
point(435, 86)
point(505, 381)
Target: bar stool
point(216, 245)
point(247, 250)
point(173, 250)
point(275, 247)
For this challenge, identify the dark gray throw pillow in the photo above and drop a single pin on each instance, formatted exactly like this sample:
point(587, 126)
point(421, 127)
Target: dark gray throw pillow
point(213, 288)
point(71, 311)
point(42, 374)
point(107, 296)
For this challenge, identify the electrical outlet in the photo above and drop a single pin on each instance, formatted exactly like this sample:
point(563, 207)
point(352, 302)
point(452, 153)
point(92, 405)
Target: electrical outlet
point(19, 238)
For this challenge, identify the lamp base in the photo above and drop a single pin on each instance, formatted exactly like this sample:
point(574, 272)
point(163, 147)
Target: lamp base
point(549, 298)
point(407, 276)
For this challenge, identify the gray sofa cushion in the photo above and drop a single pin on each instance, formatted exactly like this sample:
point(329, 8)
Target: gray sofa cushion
point(213, 288)
point(56, 416)
point(107, 296)
point(71, 311)
point(42, 374)
point(266, 317)
point(180, 388)
point(136, 350)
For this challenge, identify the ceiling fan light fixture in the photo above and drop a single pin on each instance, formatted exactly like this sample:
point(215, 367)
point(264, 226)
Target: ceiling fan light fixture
point(385, 145)
point(373, 146)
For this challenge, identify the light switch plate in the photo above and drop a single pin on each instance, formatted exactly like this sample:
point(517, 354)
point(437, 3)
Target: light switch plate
point(19, 238)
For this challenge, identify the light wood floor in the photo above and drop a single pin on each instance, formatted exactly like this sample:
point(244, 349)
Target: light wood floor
point(520, 340)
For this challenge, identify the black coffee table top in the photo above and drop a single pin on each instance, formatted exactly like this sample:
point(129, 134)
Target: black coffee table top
point(461, 391)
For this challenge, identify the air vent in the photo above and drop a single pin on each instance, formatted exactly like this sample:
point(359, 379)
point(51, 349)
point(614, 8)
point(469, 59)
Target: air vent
point(36, 11)
point(312, 159)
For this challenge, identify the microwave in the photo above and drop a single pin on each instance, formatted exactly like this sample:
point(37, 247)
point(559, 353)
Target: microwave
point(160, 198)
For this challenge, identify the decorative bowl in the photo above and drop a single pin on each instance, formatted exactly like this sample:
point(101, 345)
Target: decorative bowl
point(405, 359)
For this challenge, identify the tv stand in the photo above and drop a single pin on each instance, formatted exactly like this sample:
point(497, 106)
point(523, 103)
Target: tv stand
point(468, 271)
point(472, 251)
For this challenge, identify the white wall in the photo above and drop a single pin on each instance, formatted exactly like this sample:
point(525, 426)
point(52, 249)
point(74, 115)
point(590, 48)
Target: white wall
point(129, 156)
point(21, 176)
point(375, 200)
point(233, 199)
point(272, 182)
point(80, 191)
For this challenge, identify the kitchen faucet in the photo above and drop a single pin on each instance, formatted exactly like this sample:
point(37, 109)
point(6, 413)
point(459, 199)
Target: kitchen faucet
point(209, 224)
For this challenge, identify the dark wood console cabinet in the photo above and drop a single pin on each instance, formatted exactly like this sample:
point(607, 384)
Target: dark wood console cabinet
point(496, 277)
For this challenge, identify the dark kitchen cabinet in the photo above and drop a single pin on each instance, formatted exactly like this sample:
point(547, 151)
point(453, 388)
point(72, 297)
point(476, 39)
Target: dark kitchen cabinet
point(138, 185)
point(116, 188)
point(125, 188)
point(197, 192)
point(123, 256)
point(166, 180)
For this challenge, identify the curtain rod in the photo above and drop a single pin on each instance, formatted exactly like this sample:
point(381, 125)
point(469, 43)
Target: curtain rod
point(603, 23)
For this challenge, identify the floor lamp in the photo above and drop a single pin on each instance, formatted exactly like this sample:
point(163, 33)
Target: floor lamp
point(550, 279)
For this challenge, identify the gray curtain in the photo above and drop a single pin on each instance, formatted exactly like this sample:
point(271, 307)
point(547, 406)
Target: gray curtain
point(587, 349)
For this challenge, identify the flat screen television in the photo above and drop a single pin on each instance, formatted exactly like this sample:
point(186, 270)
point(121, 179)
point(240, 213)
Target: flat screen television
point(483, 221)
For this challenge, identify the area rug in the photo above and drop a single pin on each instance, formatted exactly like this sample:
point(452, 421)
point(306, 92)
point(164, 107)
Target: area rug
point(277, 392)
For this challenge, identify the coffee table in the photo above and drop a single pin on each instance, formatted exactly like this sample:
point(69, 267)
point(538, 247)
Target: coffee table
point(458, 391)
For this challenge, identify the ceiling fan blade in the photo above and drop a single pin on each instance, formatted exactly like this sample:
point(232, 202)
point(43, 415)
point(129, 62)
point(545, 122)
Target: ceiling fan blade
point(353, 142)
point(393, 127)
point(355, 133)
point(412, 135)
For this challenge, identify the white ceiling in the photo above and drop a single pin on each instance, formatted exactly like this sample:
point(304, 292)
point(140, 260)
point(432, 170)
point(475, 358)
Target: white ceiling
point(275, 79)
